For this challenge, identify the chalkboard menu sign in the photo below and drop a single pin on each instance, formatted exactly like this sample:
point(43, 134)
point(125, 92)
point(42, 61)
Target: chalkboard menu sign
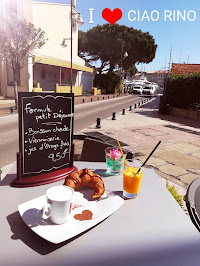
point(45, 134)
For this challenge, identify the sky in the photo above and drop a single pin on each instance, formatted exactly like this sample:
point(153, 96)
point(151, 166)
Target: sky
point(182, 37)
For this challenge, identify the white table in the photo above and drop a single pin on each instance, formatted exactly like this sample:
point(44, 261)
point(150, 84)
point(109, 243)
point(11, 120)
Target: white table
point(151, 230)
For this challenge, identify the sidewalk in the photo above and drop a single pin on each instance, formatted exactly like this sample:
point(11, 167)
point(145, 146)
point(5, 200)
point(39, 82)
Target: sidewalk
point(5, 106)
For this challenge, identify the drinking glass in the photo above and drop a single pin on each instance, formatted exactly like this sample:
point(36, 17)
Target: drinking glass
point(132, 180)
point(114, 160)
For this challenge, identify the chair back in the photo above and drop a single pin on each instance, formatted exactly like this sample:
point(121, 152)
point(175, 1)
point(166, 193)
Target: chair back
point(94, 150)
point(192, 199)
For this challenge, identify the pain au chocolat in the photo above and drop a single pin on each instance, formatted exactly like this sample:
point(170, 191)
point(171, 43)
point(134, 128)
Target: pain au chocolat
point(86, 178)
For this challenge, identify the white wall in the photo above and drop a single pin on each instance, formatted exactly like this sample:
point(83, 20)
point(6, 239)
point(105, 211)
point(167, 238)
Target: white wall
point(54, 19)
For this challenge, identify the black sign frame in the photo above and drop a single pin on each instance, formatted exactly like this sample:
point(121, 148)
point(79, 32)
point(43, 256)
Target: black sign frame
point(46, 122)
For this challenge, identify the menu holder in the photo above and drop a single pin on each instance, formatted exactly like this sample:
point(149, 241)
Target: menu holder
point(46, 150)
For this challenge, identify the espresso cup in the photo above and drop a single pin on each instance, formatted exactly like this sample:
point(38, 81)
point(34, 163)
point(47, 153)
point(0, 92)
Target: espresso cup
point(59, 204)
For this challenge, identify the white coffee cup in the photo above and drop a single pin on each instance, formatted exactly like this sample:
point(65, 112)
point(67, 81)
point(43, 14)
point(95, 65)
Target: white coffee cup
point(59, 204)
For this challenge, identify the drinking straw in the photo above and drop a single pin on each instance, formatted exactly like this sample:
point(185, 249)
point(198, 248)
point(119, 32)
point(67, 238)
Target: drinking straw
point(122, 152)
point(148, 157)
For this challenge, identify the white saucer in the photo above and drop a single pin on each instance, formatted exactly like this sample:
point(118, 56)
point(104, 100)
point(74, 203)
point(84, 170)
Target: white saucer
point(101, 209)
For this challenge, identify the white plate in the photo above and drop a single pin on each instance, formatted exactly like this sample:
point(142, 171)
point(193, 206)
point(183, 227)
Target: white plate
point(102, 208)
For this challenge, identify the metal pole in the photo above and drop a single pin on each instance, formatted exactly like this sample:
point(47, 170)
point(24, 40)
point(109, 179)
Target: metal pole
point(121, 80)
point(71, 48)
point(60, 78)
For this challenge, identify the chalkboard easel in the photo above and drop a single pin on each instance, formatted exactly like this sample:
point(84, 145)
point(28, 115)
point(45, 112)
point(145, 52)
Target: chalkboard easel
point(46, 150)
point(42, 179)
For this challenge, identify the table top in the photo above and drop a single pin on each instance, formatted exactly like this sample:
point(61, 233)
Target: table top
point(149, 230)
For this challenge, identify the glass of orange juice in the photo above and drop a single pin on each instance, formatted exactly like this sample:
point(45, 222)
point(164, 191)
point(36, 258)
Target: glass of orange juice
point(132, 180)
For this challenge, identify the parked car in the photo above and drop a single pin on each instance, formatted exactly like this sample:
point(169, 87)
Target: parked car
point(137, 89)
point(150, 90)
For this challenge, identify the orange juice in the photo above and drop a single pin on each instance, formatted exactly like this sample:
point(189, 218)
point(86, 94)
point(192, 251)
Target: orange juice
point(132, 181)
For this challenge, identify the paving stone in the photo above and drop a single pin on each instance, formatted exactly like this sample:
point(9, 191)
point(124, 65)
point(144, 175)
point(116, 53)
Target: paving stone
point(150, 131)
point(172, 170)
point(197, 142)
point(143, 152)
point(175, 138)
point(153, 161)
point(171, 178)
point(196, 155)
point(147, 151)
point(183, 147)
point(188, 178)
point(194, 171)
point(180, 159)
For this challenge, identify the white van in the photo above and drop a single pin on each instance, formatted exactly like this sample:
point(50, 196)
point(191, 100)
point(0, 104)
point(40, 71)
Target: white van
point(150, 89)
point(137, 89)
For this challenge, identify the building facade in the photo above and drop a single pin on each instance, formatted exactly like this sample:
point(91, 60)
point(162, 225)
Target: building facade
point(51, 64)
point(158, 77)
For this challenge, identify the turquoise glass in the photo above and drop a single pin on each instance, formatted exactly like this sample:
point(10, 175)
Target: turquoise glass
point(114, 166)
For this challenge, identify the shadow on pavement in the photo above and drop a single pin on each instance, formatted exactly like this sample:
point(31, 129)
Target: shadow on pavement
point(7, 180)
point(153, 107)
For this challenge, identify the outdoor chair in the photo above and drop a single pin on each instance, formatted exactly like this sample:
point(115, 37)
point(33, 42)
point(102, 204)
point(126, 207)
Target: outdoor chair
point(192, 199)
point(94, 150)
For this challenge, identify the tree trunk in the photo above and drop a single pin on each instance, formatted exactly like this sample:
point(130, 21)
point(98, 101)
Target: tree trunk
point(101, 67)
point(15, 88)
point(112, 66)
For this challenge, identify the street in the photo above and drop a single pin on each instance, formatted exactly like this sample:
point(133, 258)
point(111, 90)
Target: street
point(85, 115)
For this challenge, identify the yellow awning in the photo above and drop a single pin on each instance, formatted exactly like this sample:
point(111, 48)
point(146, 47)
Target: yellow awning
point(61, 63)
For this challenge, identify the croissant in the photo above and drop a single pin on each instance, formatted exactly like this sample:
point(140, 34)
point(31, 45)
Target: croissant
point(86, 178)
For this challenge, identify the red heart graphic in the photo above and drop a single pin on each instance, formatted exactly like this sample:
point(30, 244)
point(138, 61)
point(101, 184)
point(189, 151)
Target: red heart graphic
point(112, 16)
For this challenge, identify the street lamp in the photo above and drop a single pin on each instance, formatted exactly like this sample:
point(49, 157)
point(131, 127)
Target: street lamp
point(76, 20)
point(123, 56)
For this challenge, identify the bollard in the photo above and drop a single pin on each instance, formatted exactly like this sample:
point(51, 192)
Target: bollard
point(117, 95)
point(113, 116)
point(135, 105)
point(98, 123)
point(142, 102)
point(83, 100)
point(103, 98)
point(98, 99)
point(123, 111)
point(130, 108)
point(91, 99)
point(11, 109)
point(108, 97)
point(113, 96)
